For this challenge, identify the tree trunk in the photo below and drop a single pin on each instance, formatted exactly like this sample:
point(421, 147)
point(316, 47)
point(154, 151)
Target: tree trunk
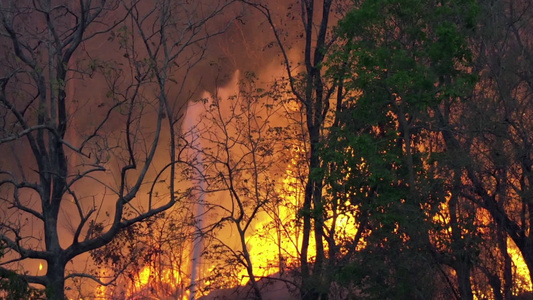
point(55, 289)
point(249, 267)
point(462, 264)
point(463, 278)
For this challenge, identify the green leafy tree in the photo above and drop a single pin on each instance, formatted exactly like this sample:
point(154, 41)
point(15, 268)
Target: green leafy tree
point(405, 58)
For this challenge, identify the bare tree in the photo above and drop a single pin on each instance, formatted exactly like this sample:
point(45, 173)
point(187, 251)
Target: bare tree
point(80, 161)
point(238, 144)
point(319, 96)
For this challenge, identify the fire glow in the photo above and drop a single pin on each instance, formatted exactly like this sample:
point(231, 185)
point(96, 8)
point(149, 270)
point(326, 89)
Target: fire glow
point(273, 241)
point(142, 157)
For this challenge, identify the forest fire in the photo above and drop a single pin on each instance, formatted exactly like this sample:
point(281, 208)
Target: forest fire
point(246, 149)
point(273, 244)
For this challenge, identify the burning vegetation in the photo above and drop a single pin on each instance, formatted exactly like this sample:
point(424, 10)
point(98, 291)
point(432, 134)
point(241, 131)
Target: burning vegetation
point(333, 149)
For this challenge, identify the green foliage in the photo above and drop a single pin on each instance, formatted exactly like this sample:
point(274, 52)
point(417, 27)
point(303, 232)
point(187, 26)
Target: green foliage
point(384, 272)
point(14, 287)
point(411, 52)
point(405, 57)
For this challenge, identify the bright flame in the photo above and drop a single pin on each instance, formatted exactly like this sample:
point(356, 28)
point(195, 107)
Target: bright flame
point(522, 278)
point(143, 277)
point(274, 240)
point(153, 282)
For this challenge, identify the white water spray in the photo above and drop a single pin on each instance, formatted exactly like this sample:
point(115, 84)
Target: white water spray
point(191, 128)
